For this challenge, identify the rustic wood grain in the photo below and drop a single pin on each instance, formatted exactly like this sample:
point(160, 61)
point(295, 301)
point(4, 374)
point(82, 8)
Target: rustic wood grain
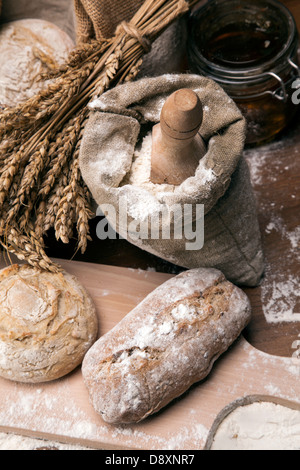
point(278, 196)
point(61, 411)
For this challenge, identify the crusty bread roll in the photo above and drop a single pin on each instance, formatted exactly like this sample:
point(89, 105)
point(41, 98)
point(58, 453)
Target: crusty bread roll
point(165, 345)
point(28, 47)
point(47, 323)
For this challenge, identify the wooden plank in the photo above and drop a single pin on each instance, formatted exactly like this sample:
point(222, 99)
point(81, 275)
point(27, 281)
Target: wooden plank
point(61, 410)
point(275, 170)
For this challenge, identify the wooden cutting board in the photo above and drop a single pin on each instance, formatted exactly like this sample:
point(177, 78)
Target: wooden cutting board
point(61, 410)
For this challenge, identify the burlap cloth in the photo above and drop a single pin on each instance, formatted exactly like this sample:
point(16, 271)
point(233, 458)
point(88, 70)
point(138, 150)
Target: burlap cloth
point(232, 235)
point(100, 18)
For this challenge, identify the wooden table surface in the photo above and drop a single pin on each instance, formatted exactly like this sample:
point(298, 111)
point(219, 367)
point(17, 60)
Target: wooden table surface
point(275, 169)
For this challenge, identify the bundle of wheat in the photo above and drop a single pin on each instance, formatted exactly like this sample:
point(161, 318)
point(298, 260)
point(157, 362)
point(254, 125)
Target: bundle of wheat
point(40, 180)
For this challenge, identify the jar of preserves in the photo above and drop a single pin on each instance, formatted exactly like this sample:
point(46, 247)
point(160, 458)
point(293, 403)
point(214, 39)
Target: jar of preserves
point(251, 50)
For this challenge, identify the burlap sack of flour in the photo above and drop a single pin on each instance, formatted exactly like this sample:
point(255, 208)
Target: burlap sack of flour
point(112, 145)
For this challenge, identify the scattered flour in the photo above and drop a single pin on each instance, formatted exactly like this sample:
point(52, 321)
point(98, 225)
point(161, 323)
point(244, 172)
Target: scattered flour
point(273, 390)
point(126, 360)
point(17, 442)
point(269, 156)
point(277, 224)
point(183, 312)
point(280, 291)
point(281, 298)
point(280, 288)
point(260, 426)
point(60, 416)
point(197, 433)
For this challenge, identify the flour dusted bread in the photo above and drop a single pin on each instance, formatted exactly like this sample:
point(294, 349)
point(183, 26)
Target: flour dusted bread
point(166, 344)
point(47, 323)
point(27, 48)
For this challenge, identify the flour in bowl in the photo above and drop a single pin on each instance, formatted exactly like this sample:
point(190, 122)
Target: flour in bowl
point(260, 426)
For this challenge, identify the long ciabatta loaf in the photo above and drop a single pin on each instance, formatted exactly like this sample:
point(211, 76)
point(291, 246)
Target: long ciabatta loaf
point(166, 344)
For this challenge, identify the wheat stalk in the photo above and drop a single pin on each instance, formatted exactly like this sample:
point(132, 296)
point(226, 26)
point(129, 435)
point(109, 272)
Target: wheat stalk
point(40, 181)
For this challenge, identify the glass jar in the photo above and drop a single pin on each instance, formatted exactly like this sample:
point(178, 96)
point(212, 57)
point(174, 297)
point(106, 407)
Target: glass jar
point(250, 49)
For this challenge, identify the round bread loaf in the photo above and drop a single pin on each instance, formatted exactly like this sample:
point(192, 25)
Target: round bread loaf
point(27, 48)
point(165, 345)
point(47, 324)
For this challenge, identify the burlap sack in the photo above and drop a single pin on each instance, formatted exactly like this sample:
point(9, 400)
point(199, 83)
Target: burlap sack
point(100, 18)
point(222, 181)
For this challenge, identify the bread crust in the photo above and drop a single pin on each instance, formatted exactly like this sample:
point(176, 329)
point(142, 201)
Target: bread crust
point(47, 323)
point(165, 345)
point(28, 48)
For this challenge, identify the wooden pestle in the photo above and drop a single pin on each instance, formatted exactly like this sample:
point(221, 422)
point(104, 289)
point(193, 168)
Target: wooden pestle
point(177, 146)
